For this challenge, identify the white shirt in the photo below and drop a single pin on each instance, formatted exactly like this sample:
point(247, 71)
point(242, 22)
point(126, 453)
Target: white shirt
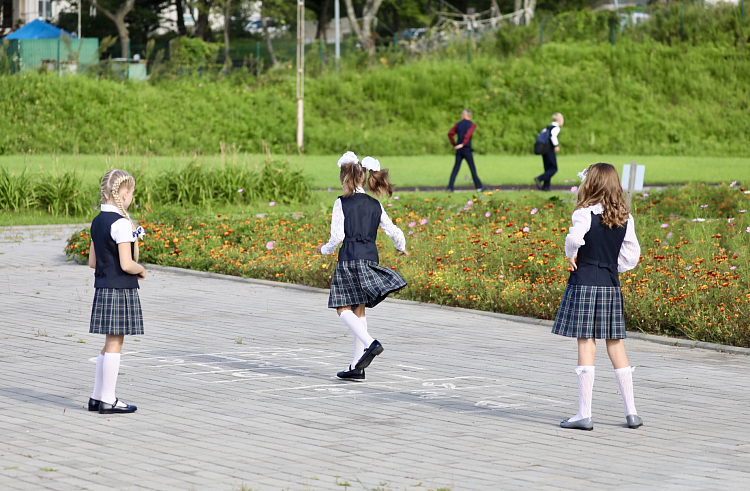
point(122, 229)
point(553, 134)
point(337, 228)
point(630, 251)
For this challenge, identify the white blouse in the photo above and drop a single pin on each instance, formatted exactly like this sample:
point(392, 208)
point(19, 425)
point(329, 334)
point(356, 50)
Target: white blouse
point(337, 228)
point(122, 229)
point(630, 251)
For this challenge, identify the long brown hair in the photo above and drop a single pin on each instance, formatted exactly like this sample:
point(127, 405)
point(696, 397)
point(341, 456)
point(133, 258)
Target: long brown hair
point(352, 176)
point(602, 185)
point(112, 181)
point(379, 183)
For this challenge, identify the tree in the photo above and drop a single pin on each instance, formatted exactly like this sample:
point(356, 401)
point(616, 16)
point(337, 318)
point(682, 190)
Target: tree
point(227, 4)
point(180, 7)
point(281, 11)
point(202, 29)
point(369, 13)
point(119, 19)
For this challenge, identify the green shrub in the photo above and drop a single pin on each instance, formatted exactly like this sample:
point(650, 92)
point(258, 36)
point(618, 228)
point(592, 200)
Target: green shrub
point(192, 52)
point(62, 194)
point(16, 192)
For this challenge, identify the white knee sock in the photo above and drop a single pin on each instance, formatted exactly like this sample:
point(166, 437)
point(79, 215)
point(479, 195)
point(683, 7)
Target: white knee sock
point(110, 370)
point(97, 394)
point(357, 326)
point(359, 347)
point(585, 390)
point(625, 381)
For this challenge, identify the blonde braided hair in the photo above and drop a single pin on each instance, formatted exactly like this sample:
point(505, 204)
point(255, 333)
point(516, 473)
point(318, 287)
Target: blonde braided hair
point(110, 187)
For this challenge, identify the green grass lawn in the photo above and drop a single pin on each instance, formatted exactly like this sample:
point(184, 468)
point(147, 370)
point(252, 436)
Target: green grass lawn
point(427, 170)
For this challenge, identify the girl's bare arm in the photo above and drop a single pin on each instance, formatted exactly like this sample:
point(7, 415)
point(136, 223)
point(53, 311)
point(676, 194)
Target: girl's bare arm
point(92, 256)
point(126, 260)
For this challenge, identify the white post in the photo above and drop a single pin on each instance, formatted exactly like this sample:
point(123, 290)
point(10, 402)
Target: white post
point(337, 27)
point(80, 6)
point(631, 183)
point(300, 69)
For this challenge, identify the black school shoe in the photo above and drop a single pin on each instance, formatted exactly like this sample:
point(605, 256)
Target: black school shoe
point(105, 408)
point(351, 374)
point(93, 404)
point(539, 183)
point(370, 353)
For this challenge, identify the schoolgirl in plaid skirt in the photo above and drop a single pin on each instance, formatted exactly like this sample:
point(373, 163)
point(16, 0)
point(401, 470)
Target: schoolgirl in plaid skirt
point(116, 310)
point(359, 281)
point(600, 244)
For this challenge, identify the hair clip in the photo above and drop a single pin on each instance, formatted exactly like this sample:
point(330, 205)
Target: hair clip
point(371, 164)
point(348, 158)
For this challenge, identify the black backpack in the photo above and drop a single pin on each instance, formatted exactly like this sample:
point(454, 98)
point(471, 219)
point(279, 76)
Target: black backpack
point(543, 143)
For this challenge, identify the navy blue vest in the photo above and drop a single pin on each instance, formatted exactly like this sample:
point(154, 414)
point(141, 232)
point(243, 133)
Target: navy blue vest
point(361, 221)
point(108, 273)
point(597, 258)
point(461, 128)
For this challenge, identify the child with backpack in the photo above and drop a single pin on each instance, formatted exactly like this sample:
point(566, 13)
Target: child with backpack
point(547, 146)
point(359, 281)
point(601, 242)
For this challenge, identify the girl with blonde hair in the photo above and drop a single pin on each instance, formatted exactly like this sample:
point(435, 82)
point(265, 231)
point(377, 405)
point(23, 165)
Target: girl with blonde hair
point(116, 310)
point(359, 281)
point(601, 243)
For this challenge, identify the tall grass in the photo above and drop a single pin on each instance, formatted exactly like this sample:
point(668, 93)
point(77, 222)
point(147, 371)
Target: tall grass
point(16, 192)
point(61, 193)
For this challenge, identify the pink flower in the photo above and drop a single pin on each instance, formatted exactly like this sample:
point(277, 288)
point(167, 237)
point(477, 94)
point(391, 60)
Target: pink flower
point(699, 219)
point(488, 214)
point(423, 221)
point(733, 184)
point(645, 195)
point(743, 211)
point(272, 203)
point(501, 276)
point(269, 245)
point(469, 203)
point(499, 231)
point(389, 205)
point(733, 267)
point(241, 190)
point(574, 189)
point(533, 212)
point(410, 232)
point(526, 229)
point(396, 197)
point(566, 180)
point(704, 206)
point(447, 219)
point(748, 230)
point(412, 224)
point(664, 225)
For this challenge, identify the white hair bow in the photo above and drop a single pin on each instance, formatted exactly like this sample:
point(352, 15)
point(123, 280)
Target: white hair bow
point(370, 163)
point(582, 174)
point(348, 158)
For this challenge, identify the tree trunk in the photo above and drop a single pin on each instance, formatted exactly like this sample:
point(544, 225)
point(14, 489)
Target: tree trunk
point(369, 15)
point(322, 20)
point(227, 58)
point(119, 19)
point(269, 44)
point(202, 29)
point(180, 7)
point(517, 5)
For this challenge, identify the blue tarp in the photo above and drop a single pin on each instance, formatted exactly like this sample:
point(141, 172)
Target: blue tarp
point(38, 29)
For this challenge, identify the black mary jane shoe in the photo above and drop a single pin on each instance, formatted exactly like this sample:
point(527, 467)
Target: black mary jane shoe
point(94, 404)
point(105, 408)
point(351, 374)
point(370, 353)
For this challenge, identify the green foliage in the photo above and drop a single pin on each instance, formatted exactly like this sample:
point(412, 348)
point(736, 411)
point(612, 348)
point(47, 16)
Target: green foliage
point(61, 194)
point(192, 184)
point(16, 192)
point(192, 52)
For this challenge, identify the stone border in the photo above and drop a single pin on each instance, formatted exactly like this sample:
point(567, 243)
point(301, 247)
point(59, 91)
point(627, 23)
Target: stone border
point(678, 342)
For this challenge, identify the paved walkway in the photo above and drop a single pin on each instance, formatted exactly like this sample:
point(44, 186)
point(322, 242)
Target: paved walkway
point(235, 388)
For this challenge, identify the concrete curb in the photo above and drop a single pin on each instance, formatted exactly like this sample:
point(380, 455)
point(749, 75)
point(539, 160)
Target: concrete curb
point(678, 342)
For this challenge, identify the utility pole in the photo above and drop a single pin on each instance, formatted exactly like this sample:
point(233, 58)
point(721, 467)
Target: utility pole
point(300, 69)
point(80, 6)
point(337, 28)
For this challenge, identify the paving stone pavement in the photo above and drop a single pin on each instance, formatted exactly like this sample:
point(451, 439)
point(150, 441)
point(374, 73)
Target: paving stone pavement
point(235, 384)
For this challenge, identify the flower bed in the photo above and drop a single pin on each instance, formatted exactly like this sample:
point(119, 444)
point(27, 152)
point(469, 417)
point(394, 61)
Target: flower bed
point(501, 253)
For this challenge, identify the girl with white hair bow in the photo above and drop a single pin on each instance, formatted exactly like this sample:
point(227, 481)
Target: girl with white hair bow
point(359, 281)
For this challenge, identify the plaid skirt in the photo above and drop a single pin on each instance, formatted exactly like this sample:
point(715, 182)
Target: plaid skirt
point(591, 312)
point(116, 311)
point(362, 281)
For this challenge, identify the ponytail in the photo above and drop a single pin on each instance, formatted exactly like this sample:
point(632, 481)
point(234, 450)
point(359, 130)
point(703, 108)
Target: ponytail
point(379, 183)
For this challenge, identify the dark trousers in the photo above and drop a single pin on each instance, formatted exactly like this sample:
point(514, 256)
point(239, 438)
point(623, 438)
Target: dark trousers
point(550, 169)
point(464, 153)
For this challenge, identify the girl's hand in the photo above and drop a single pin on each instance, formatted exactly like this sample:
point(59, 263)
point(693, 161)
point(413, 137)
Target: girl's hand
point(572, 263)
point(403, 253)
point(142, 274)
point(319, 249)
